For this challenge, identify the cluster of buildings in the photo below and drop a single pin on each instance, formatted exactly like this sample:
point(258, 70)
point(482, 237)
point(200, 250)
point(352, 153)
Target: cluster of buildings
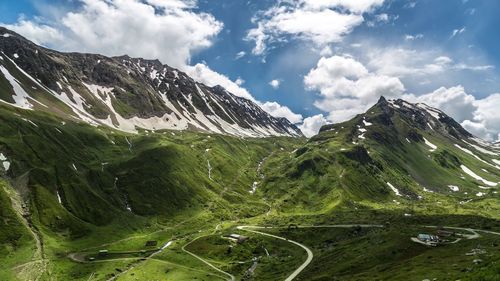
point(434, 239)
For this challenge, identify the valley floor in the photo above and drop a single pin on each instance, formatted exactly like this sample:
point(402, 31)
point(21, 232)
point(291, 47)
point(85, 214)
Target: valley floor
point(293, 248)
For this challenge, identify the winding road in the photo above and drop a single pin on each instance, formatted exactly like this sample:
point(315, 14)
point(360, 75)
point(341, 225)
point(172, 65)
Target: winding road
point(217, 227)
point(301, 267)
point(255, 229)
point(310, 254)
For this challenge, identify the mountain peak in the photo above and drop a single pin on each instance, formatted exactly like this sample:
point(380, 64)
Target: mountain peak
point(389, 114)
point(382, 100)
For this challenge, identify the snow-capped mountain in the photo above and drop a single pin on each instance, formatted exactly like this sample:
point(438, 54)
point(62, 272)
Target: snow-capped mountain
point(397, 151)
point(125, 93)
point(416, 115)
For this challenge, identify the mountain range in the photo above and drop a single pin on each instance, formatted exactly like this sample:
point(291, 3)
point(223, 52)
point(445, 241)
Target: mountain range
point(125, 93)
point(127, 169)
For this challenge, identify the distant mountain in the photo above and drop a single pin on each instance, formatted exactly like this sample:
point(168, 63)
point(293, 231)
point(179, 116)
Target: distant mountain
point(396, 151)
point(125, 93)
point(418, 116)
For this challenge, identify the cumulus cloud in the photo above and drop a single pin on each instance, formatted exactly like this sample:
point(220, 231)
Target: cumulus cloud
point(454, 101)
point(168, 30)
point(318, 21)
point(278, 110)
point(346, 87)
point(275, 83)
point(38, 33)
point(204, 74)
point(481, 117)
point(402, 62)
point(487, 115)
point(311, 125)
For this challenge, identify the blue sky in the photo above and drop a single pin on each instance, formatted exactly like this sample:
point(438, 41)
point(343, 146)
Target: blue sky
point(331, 59)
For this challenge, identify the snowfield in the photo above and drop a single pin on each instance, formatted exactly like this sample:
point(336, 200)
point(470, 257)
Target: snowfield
point(5, 162)
point(477, 157)
point(475, 176)
point(20, 97)
point(482, 150)
point(58, 197)
point(428, 190)
point(366, 123)
point(431, 145)
point(395, 190)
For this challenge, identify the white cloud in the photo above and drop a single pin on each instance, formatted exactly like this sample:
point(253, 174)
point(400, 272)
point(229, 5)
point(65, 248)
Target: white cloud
point(311, 125)
point(463, 66)
point(203, 74)
point(456, 32)
point(480, 117)
point(239, 55)
point(382, 17)
point(168, 30)
point(239, 81)
point(488, 115)
point(347, 87)
point(318, 21)
point(454, 101)
point(358, 6)
point(402, 62)
point(409, 37)
point(275, 83)
point(277, 110)
point(38, 33)
point(326, 51)
point(410, 5)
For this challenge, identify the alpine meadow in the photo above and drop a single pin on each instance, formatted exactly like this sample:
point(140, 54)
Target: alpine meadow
point(249, 140)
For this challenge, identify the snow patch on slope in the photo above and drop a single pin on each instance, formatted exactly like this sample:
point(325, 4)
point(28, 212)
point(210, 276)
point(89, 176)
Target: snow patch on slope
point(432, 111)
point(475, 176)
point(5, 162)
point(431, 145)
point(20, 96)
point(475, 156)
point(395, 190)
point(482, 150)
point(58, 197)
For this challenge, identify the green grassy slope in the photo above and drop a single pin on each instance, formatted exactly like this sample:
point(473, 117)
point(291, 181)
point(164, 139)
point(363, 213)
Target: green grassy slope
point(351, 163)
point(87, 188)
point(83, 186)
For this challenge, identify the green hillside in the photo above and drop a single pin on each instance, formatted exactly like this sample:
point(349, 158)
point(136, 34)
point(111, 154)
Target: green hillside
point(72, 189)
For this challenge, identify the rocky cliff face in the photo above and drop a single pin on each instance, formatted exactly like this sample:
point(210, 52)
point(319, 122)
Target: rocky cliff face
point(125, 93)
